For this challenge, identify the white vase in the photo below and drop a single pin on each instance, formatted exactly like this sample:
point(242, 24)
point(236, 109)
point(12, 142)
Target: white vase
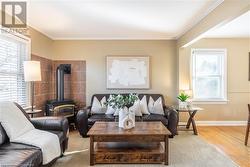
point(182, 104)
point(126, 119)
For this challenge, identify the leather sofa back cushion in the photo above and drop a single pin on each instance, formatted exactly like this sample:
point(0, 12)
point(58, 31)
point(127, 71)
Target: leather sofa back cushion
point(3, 136)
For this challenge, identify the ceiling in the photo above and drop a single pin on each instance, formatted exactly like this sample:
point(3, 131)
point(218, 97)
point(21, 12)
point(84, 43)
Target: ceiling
point(237, 28)
point(117, 19)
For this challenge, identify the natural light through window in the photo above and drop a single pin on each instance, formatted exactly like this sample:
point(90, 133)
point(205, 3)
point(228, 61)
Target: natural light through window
point(209, 75)
point(13, 51)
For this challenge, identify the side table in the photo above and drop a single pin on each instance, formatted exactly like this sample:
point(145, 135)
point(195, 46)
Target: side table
point(32, 113)
point(191, 111)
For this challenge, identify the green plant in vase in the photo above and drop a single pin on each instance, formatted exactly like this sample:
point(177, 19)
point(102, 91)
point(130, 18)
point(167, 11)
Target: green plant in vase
point(183, 99)
point(121, 101)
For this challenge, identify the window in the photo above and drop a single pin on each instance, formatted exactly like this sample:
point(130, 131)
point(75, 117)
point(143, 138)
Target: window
point(13, 51)
point(209, 74)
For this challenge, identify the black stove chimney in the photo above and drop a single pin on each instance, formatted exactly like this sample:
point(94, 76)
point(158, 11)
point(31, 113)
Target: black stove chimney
point(60, 71)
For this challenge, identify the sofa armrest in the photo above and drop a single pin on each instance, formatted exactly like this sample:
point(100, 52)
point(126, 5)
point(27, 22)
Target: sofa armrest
point(173, 118)
point(51, 123)
point(168, 110)
point(87, 110)
point(82, 122)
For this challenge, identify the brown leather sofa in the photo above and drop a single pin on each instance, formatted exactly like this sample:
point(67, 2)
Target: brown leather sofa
point(85, 120)
point(15, 154)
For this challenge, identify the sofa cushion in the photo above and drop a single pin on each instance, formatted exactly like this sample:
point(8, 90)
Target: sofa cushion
point(155, 117)
point(13, 154)
point(100, 117)
point(155, 106)
point(144, 105)
point(98, 106)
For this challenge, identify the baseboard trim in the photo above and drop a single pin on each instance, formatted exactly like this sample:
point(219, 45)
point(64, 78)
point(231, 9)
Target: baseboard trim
point(219, 123)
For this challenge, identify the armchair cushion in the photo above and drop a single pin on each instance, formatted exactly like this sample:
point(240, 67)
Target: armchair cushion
point(14, 154)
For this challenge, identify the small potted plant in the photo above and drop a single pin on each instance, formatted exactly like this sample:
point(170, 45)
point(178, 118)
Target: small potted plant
point(183, 97)
point(121, 103)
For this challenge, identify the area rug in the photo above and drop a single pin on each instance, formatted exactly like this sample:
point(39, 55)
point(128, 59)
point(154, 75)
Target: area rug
point(186, 150)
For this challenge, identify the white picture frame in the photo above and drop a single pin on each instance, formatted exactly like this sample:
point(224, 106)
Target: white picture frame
point(128, 72)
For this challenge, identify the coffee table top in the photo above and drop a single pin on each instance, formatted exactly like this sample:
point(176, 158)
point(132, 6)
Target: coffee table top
point(141, 128)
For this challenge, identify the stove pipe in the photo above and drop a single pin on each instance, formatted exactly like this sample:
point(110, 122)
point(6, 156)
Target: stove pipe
point(60, 71)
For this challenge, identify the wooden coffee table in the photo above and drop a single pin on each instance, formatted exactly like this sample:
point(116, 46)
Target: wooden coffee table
point(146, 143)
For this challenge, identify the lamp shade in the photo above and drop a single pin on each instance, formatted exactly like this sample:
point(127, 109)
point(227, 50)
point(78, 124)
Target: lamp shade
point(32, 71)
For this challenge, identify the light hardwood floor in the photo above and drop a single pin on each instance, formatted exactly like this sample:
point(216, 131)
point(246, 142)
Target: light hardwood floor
point(230, 140)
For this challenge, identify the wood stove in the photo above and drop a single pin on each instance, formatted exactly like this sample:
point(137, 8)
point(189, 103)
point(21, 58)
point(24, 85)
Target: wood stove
point(61, 106)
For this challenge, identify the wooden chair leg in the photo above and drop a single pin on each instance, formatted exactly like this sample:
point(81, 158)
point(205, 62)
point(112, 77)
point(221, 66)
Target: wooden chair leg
point(248, 126)
point(247, 134)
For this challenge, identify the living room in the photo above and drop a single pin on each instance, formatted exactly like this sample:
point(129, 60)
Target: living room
point(125, 83)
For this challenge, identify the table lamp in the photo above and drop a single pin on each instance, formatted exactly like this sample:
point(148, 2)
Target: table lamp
point(32, 73)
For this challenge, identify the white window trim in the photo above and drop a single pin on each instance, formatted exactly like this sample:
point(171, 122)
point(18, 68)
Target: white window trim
point(214, 100)
point(22, 38)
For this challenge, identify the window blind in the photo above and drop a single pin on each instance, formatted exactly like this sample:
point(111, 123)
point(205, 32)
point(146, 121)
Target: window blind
point(13, 52)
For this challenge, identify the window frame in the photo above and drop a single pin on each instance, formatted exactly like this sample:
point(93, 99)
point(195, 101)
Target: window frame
point(27, 40)
point(223, 77)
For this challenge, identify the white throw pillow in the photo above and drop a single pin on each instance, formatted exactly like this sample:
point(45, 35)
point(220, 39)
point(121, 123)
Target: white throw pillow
point(155, 107)
point(144, 105)
point(110, 110)
point(136, 108)
point(13, 120)
point(98, 107)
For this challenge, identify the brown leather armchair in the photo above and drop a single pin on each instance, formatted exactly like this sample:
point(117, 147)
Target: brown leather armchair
point(15, 154)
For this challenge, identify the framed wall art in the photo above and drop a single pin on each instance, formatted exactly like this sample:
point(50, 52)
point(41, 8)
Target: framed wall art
point(128, 72)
